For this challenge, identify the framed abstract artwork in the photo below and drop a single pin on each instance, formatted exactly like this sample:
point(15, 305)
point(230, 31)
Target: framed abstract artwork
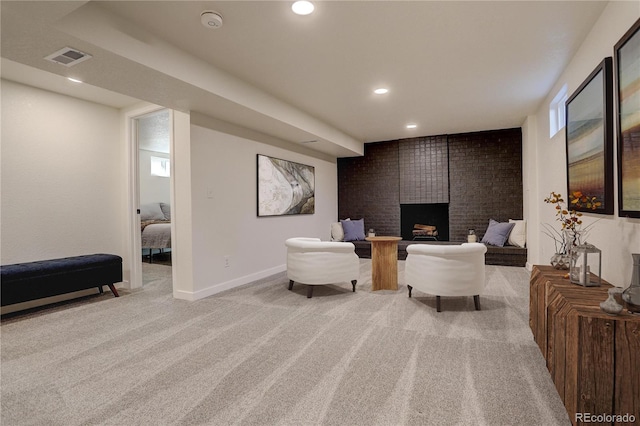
point(285, 187)
point(589, 135)
point(627, 53)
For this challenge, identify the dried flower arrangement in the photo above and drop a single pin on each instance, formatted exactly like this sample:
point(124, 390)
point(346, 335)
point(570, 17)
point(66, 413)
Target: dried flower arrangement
point(571, 231)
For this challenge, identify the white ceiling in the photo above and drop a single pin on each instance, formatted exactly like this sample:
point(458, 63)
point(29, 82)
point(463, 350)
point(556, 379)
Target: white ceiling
point(450, 67)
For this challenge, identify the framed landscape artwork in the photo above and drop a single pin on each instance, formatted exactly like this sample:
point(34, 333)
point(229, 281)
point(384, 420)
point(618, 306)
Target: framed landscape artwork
point(627, 52)
point(589, 134)
point(285, 187)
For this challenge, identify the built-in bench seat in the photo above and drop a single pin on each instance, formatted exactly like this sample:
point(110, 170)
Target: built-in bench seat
point(22, 282)
point(504, 256)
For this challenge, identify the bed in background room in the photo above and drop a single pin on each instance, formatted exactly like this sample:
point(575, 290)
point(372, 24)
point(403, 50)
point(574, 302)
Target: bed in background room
point(155, 221)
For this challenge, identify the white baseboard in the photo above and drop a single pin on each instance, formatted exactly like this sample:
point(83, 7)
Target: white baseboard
point(228, 285)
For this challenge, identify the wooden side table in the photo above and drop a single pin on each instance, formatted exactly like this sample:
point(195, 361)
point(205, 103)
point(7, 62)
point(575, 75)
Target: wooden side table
point(384, 262)
point(593, 358)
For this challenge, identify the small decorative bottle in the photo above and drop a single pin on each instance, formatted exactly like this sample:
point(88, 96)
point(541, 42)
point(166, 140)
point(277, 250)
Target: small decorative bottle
point(611, 306)
point(471, 236)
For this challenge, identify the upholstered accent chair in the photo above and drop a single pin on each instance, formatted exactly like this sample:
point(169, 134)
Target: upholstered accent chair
point(446, 270)
point(314, 262)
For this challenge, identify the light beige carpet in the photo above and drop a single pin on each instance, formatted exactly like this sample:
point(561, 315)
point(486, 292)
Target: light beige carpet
point(263, 355)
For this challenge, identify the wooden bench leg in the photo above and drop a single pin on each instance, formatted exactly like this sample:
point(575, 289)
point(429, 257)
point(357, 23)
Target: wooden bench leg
point(476, 301)
point(113, 290)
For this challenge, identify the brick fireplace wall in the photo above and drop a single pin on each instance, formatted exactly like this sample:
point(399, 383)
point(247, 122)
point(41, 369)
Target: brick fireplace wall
point(424, 170)
point(484, 172)
point(368, 187)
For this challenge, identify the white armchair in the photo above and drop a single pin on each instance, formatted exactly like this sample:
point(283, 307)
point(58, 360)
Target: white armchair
point(446, 270)
point(314, 262)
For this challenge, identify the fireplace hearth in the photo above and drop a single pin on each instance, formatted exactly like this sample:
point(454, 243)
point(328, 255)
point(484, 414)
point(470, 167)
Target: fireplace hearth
point(433, 214)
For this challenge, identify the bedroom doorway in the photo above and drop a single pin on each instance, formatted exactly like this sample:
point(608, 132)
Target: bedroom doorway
point(151, 133)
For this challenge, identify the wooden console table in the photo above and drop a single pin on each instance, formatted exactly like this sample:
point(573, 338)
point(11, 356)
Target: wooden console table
point(384, 263)
point(593, 357)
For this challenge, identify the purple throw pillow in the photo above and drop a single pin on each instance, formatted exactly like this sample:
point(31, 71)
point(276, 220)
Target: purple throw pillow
point(497, 233)
point(353, 230)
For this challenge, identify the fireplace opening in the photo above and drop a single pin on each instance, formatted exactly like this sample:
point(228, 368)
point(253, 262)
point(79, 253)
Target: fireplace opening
point(433, 214)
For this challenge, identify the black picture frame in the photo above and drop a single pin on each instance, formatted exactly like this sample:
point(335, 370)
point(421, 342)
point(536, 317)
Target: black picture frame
point(589, 138)
point(627, 60)
point(284, 187)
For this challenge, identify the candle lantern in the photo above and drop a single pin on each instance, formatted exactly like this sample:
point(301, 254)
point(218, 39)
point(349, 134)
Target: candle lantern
point(586, 265)
point(471, 236)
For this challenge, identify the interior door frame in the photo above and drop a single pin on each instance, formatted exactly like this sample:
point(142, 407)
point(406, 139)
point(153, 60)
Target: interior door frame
point(133, 205)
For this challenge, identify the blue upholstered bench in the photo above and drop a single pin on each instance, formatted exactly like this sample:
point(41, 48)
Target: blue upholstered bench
point(22, 282)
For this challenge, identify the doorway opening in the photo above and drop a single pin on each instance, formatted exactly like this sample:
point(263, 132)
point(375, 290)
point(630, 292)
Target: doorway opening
point(151, 132)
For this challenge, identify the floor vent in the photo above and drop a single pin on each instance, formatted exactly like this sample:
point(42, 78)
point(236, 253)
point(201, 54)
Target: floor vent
point(68, 57)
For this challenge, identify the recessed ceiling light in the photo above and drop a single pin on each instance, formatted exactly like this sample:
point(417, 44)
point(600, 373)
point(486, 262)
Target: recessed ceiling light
point(302, 7)
point(75, 80)
point(411, 126)
point(381, 91)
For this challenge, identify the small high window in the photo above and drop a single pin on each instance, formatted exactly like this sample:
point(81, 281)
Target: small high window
point(160, 167)
point(557, 116)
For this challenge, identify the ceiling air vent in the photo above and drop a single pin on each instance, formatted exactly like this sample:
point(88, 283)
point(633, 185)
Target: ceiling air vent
point(68, 57)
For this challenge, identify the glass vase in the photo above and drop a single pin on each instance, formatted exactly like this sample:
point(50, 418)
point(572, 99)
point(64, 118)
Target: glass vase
point(631, 295)
point(560, 260)
point(572, 239)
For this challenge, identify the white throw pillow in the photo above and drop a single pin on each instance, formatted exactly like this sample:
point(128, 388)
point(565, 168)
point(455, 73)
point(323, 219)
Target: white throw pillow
point(337, 232)
point(518, 235)
point(151, 211)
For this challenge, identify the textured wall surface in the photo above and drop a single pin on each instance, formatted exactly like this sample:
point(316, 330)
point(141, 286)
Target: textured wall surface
point(485, 170)
point(368, 188)
point(481, 180)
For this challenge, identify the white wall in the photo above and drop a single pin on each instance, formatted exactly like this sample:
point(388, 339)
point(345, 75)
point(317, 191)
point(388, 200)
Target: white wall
point(617, 237)
point(225, 222)
point(63, 176)
point(153, 189)
point(530, 200)
point(181, 208)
